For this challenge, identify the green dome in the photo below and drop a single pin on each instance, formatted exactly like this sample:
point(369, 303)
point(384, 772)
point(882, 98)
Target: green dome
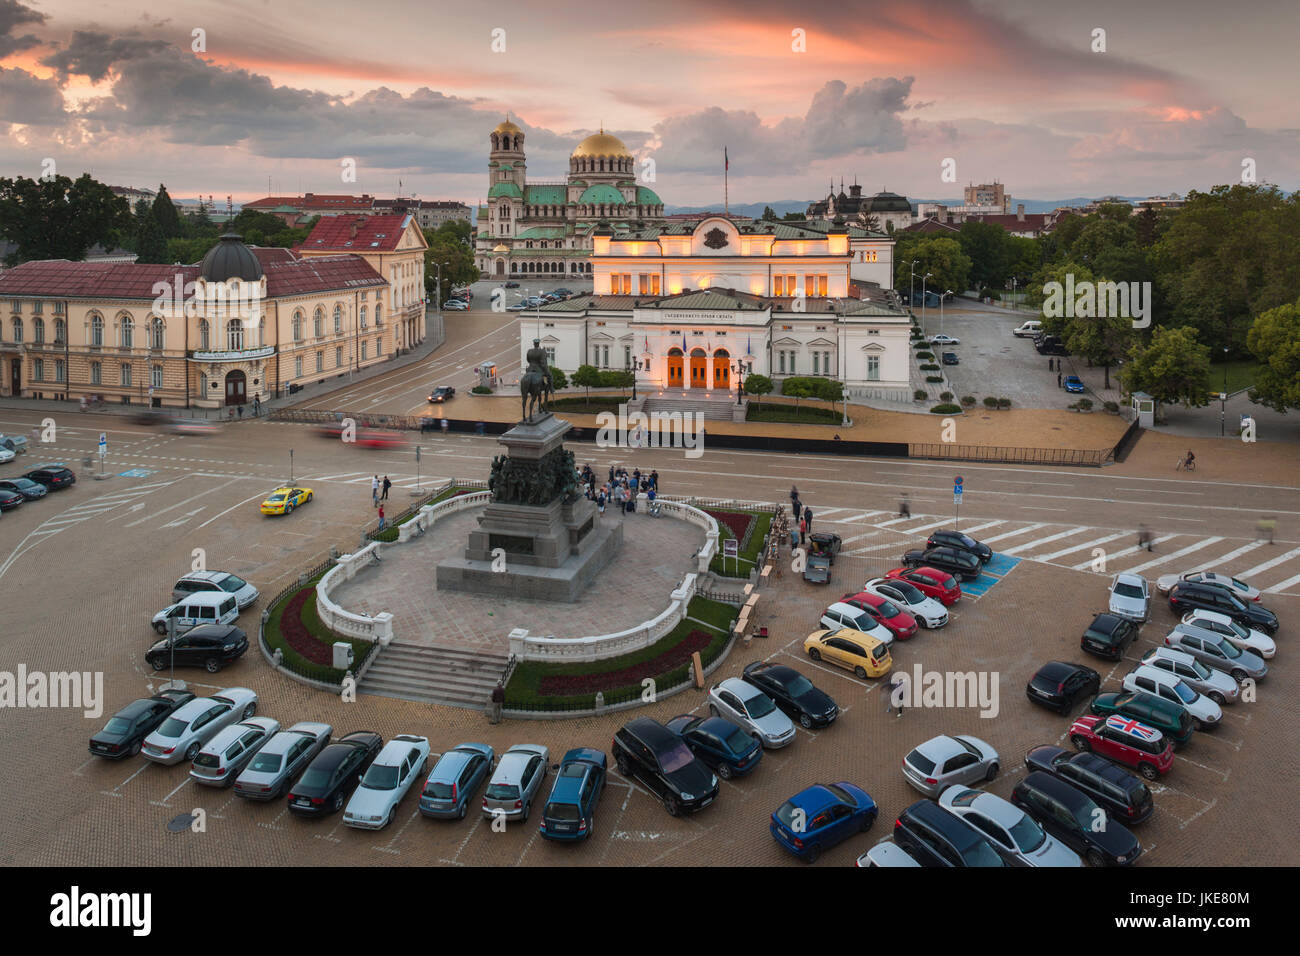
point(648, 197)
point(602, 193)
point(509, 190)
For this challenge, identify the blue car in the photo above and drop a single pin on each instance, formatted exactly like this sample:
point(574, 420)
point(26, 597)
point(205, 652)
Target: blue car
point(818, 818)
point(1072, 383)
point(726, 748)
point(458, 773)
point(570, 811)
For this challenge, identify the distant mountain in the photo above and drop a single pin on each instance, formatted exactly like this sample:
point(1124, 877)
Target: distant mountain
point(754, 209)
point(1035, 205)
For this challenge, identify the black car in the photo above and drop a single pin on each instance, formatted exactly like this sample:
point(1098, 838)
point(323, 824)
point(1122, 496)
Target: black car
point(794, 693)
point(1050, 345)
point(728, 749)
point(211, 646)
point(1192, 595)
point(441, 394)
point(52, 477)
point(1072, 817)
point(957, 562)
point(825, 544)
point(950, 358)
point(1108, 636)
point(512, 285)
point(1113, 788)
point(962, 542)
point(934, 837)
point(10, 500)
point(30, 490)
point(324, 785)
point(653, 754)
point(1059, 686)
point(126, 730)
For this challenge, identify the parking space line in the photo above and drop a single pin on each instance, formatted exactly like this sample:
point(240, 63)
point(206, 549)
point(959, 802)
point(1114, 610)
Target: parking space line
point(1042, 541)
point(1208, 806)
point(1011, 534)
point(1165, 558)
point(1083, 566)
point(1270, 564)
point(1080, 547)
point(981, 527)
point(163, 802)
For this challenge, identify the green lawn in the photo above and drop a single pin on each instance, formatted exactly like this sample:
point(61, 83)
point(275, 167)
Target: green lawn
point(730, 567)
point(311, 620)
point(593, 406)
point(799, 415)
point(1241, 375)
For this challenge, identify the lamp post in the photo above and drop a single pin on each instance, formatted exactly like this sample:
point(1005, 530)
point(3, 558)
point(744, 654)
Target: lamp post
point(1223, 397)
point(1015, 304)
point(941, 298)
point(928, 275)
point(911, 285)
point(740, 381)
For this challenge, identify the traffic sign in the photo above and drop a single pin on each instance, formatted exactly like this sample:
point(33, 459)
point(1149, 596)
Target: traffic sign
point(956, 490)
point(958, 480)
point(956, 499)
point(103, 444)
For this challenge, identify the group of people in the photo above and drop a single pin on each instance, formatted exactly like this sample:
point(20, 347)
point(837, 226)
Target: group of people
point(620, 488)
point(801, 516)
point(378, 495)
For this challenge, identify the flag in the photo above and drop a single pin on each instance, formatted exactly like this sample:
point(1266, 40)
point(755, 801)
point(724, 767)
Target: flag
point(684, 348)
point(647, 345)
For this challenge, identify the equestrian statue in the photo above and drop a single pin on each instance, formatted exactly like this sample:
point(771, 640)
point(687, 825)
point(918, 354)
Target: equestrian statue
point(535, 384)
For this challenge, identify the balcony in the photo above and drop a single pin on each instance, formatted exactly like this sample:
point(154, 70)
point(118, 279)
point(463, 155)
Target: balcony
point(240, 355)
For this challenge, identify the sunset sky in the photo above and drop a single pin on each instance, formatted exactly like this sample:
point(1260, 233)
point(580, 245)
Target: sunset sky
point(885, 91)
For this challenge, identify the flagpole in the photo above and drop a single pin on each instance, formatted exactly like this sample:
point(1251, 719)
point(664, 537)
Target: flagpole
point(726, 173)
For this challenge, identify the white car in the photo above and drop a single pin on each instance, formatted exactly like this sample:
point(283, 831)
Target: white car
point(840, 615)
point(222, 757)
point(270, 773)
point(387, 780)
point(454, 305)
point(944, 340)
point(927, 611)
point(6, 456)
point(1014, 834)
point(1235, 585)
point(886, 853)
point(1245, 638)
point(1216, 685)
point(182, 735)
point(1171, 687)
point(744, 704)
point(1130, 598)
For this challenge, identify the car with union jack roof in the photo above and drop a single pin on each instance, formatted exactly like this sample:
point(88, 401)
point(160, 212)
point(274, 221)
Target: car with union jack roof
point(1126, 741)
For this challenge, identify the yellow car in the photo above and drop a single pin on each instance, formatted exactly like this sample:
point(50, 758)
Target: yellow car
point(850, 649)
point(282, 501)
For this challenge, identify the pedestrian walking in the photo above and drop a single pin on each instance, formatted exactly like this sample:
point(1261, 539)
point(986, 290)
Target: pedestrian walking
point(807, 517)
point(654, 479)
point(1058, 379)
point(897, 685)
point(803, 529)
point(1266, 528)
point(387, 484)
point(498, 701)
point(240, 410)
point(1145, 538)
point(904, 507)
point(794, 537)
point(445, 425)
point(257, 405)
point(374, 492)
point(382, 523)
point(600, 501)
point(1049, 365)
point(794, 497)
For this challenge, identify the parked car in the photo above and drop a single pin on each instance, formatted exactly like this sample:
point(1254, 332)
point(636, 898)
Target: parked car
point(324, 785)
point(942, 339)
point(961, 542)
point(516, 782)
point(1169, 718)
point(1072, 816)
point(454, 780)
point(441, 394)
point(928, 612)
point(1059, 686)
point(1243, 636)
point(275, 766)
point(935, 837)
point(794, 693)
point(1243, 591)
point(1216, 685)
point(517, 307)
point(1188, 596)
point(388, 778)
point(931, 582)
point(282, 501)
point(1215, 650)
point(821, 816)
point(726, 747)
point(1113, 788)
point(245, 594)
point(1130, 597)
point(570, 812)
point(512, 285)
point(1030, 328)
point(841, 615)
point(649, 752)
point(950, 358)
point(14, 443)
point(824, 543)
point(30, 490)
point(182, 735)
point(454, 305)
point(1161, 683)
point(886, 853)
point(1013, 833)
point(861, 653)
point(960, 564)
point(9, 500)
point(746, 705)
point(1108, 636)
point(226, 754)
point(1072, 383)
point(943, 761)
point(899, 623)
point(126, 730)
point(210, 646)
point(53, 477)
point(1051, 345)
point(817, 569)
point(6, 456)
point(1125, 741)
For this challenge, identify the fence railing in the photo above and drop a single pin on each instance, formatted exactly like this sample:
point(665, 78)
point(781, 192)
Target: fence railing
point(1010, 455)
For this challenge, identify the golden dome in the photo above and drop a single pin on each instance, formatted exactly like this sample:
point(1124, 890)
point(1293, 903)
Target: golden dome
point(505, 126)
point(602, 144)
point(501, 248)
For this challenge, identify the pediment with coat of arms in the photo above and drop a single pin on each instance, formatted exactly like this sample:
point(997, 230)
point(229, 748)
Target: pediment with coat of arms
point(715, 239)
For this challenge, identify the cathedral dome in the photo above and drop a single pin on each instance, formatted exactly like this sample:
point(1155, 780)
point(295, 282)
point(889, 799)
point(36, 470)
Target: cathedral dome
point(505, 126)
point(602, 193)
point(230, 259)
point(602, 144)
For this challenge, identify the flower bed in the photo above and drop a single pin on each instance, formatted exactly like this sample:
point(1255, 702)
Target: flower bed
point(564, 685)
point(296, 634)
point(736, 522)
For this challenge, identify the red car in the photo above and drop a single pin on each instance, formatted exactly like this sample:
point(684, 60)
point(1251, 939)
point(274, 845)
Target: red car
point(902, 624)
point(379, 439)
point(1125, 741)
point(940, 585)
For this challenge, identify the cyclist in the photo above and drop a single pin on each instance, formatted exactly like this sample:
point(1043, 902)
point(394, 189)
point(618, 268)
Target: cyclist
point(1190, 461)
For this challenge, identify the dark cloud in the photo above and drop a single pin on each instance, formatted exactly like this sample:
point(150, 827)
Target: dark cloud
point(13, 15)
point(95, 55)
point(28, 100)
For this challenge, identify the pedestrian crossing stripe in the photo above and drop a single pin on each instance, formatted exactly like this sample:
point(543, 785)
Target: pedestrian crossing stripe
point(1079, 547)
point(1259, 568)
point(1012, 534)
point(1041, 541)
point(1177, 554)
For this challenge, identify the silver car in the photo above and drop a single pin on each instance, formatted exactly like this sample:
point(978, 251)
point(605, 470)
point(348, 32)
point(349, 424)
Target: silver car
point(1130, 597)
point(182, 735)
point(1246, 638)
point(886, 853)
point(276, 766)
point(226, 754)
point(1013, 833)
point(1216, 685)
point(518, 778)
point(1215, 650)
point(943, 761)
point(744, 704)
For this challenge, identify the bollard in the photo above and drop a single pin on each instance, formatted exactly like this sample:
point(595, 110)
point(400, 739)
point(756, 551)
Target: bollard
point(302, 579)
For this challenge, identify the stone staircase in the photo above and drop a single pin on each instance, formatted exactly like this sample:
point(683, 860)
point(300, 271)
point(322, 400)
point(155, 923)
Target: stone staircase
point(713, 409)
point(434, 675)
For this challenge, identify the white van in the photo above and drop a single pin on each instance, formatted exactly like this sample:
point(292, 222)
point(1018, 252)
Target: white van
point(203, 607)
point(840, 615)
point(198, 582)
point(1032, 327)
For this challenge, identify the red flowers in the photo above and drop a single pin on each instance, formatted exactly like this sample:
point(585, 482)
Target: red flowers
point(296, 634)
point(738, 524)
point(568, 684)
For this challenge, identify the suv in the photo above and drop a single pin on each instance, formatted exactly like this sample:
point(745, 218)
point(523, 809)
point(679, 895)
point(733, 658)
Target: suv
point(1108, 636)
point(1216, 685)
point(962, 542)
point(659, 759)
point(245, 594)
point(1169, 718)
point(956, 561)
point(1153, 680)
point(52, 477)
point(210, 646)
point(1191, 595)
point(935, 837)
point(1112, 787)
point(1215, 650)
point(1071, 816)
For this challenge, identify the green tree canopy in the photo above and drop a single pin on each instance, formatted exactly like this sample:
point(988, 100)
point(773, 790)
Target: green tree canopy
point(587, 376)
point(59, 218)
point(769, 214)
point(1275, 340)
point(990, 253)
point(756, 384)
point(149, 241)
point(939, 255)
point(169, 220)
point(1173, 367)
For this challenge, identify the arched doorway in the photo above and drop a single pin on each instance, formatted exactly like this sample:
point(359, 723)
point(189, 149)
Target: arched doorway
point(236, 388)
point(501, 267)
point(699, 369)
point(722, 369)
point(676, 364)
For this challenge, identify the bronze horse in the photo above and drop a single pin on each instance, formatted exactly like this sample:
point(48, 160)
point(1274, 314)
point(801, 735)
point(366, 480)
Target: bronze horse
point(534, 391)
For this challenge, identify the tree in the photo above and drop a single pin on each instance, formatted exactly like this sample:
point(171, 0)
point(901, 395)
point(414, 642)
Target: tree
point(59, 218)
point(1101, 235)
point(939, 255)
point(797, 388)
point(1174, 367)
point(1037, 292)
point(1274, 338)
point(558, 379)
point(150, 243)
point(794, 217)
point(587, 376)
point(1101, 340)
point(444, 247)
point(165, 212)
point(458, 230)
point(769, 214)
point(756, 384)
point(1145, 224)
point(989, 251)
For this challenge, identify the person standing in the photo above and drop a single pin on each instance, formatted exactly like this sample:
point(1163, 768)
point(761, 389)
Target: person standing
point(654, 480)
point(807, 517)
point(897, 685)
point(374, 492)
point(382, 523)
point(803, 528)
point(600, 501)
point(1058, 379)
point(498, 701)
point(794, 497)
point(387, 484)
point(905, 507)
point(257, 405)
point(1266, 528)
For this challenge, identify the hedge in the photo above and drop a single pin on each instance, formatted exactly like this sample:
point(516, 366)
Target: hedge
point(929, 367)
point(946, 409)
point(934, 379)
point(807, 386)
point(796, 414)
point(920, 395)
point(968, 400)
point(311, 622)
point(481, 390)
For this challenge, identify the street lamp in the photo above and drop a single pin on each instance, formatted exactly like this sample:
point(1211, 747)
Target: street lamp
point(740, 381)
point(1223, 397)
point(911, 285)
point(928, 275)
point(941, 298)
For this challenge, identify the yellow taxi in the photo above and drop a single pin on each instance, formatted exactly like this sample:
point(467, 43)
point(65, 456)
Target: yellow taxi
point(850, 649)
point(282, 501)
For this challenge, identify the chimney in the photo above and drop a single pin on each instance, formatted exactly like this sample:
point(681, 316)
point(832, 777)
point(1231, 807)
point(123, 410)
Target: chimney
point(352, 232)
point(1020, 212)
